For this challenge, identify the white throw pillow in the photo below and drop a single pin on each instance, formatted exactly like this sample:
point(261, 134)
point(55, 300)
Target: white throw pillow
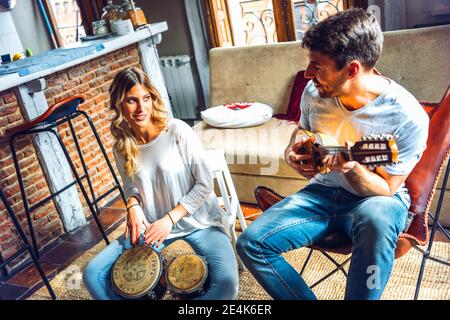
point(237, 115)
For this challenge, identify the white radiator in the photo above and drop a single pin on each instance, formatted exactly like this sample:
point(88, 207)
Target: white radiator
point(181, 85)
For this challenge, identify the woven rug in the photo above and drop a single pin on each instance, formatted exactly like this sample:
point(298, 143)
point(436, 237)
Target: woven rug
point(68, 284)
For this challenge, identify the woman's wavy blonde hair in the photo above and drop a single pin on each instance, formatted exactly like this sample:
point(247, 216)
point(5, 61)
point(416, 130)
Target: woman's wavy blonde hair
point(125, 142)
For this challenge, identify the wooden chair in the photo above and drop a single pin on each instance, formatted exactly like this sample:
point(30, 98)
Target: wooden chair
point(228, 198)
point(421, 183)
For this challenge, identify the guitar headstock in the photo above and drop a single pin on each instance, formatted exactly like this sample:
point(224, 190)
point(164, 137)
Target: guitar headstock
point(375, 150)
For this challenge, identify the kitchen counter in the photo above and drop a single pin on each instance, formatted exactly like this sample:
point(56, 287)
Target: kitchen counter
point(102, 47)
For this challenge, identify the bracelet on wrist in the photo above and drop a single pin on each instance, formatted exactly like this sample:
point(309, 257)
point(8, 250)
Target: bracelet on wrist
point(170, 217)
point(133, 205)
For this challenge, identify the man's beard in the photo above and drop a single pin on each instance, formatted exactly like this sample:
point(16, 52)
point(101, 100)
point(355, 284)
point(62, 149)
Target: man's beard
point(326, 93)
point(329, 92)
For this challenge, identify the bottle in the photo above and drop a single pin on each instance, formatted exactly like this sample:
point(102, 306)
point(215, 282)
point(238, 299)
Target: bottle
point(134, 13)
point(99, 27)
point(111, 13)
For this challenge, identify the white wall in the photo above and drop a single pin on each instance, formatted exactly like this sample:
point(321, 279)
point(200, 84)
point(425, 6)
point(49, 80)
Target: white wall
point(30, 26)
point(405, 14)
point(9, 39)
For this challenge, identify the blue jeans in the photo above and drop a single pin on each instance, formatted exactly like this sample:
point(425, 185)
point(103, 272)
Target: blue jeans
point(304, 218)
point(211, 243)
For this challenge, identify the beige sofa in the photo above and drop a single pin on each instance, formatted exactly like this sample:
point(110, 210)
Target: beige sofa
point(418, 59)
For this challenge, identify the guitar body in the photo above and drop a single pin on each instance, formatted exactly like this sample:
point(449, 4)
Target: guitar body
point(311, 147)
point(372, 150)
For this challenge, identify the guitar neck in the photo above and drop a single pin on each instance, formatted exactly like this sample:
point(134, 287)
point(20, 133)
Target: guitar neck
point(334, 150)
point(372, 150)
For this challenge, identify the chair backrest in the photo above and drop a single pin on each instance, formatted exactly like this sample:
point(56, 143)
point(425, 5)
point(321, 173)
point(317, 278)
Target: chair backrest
point(228, 194)
point(423, 180)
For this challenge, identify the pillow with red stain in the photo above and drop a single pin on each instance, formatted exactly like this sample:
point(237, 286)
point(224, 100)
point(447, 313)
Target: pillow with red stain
point(237, 115)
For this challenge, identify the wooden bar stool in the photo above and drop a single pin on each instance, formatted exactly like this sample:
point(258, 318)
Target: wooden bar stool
point(58, 114)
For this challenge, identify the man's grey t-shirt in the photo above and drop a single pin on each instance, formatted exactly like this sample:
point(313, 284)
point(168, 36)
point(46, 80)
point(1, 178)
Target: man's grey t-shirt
point(395, 111)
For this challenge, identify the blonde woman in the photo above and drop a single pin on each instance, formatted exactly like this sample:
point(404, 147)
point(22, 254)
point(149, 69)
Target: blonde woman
point(168, 186)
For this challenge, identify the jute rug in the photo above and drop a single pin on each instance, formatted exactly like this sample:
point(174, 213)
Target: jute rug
point(68, 284)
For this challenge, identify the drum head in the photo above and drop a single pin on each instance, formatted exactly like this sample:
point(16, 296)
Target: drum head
point(136, 272)
point(186, 273)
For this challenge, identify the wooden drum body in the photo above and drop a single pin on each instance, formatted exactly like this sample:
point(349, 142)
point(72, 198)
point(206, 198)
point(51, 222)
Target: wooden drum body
point(137, 272)
point(186, 276)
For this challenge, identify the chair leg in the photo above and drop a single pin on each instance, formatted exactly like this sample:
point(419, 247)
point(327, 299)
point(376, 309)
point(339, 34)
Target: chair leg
point(241, 266)
point(28, 245)
point(80, 184)
point(83, 164)
point(23, 195)
point(105, 155)
point(306, 261)
point(339, 266)
point(241, 217)
point(426, 254)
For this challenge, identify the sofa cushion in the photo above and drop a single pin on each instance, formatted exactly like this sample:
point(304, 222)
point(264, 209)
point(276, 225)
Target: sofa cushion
point(237, 115)
point(258, 150)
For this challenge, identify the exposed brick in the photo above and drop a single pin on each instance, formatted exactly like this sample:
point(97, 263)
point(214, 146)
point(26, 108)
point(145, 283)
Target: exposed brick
point(55, 79)
point(8, 110)
point(35, 198)
point(81, 89)
point(76, 72)
point(70, 85)
point(9, 97)
point(14, 118)
point(53, 91)
point(39, 213)
point(87, 77)
point(103, 71)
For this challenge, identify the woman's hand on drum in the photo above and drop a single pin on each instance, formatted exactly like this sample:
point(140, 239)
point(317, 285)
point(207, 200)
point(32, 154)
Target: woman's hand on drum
point(134, 224)
point(158, 231)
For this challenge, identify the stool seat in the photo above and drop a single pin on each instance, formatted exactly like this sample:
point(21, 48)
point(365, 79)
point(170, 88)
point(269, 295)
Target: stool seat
point(54, 113)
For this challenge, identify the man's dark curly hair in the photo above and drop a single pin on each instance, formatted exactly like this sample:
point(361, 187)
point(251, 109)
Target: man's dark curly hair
point(348, 35)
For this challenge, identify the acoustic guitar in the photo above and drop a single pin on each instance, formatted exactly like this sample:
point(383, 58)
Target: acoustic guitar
point(372, 150)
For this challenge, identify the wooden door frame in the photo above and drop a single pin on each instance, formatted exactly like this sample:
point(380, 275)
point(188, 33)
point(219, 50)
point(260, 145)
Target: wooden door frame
point(283, 11)
point(214, 28)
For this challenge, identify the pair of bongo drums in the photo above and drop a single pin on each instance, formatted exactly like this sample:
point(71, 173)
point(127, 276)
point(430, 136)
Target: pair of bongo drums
point(142, 273)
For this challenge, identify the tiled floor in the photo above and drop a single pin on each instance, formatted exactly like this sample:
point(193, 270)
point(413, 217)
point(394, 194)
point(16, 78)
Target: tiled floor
point(65, 250)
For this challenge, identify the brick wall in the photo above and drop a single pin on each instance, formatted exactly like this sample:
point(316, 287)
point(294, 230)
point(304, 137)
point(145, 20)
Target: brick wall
point(92, 80)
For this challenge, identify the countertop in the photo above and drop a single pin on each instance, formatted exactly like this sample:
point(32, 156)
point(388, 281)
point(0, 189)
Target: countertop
point(104, 46)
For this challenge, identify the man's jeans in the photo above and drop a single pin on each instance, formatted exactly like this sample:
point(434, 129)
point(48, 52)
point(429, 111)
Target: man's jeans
point(210, 243)
point(304, 218)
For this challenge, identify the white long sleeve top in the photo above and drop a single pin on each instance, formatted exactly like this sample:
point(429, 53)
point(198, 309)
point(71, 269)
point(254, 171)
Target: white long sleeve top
point(172, 170)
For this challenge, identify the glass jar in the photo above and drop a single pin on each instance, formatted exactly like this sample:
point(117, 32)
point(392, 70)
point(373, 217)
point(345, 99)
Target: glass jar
point(134, 13)
point(110, 13)
point(99, 28)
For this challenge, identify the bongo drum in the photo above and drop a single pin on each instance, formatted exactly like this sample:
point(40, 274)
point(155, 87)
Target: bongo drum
point(137, 272)
point(186, 276)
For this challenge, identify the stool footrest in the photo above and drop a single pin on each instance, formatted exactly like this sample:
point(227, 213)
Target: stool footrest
point(54, 194)
point(104, 195)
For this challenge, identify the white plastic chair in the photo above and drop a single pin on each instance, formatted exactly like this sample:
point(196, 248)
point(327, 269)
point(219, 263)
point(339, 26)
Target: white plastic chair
point(228, 198)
